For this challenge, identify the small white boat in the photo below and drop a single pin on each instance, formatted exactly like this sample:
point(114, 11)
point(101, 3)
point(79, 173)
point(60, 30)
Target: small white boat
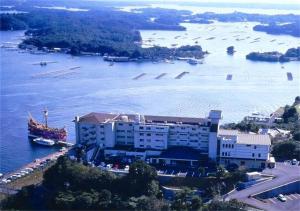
point(43, 141)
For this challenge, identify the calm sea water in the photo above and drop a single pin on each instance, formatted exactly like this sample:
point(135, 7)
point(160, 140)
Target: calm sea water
point(96, 86)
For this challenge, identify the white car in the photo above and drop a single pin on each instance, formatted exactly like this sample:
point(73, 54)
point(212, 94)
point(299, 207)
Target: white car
point(281, 198)
point(24, 172)
point(28, 170)
point(4, 181)
point(294, 162)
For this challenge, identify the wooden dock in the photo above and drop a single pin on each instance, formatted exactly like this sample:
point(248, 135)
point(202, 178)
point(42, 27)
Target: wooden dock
point(160, 76)
point(139, 76)
point(181, 75)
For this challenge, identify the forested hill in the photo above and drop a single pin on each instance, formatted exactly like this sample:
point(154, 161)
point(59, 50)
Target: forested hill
point(104, 31)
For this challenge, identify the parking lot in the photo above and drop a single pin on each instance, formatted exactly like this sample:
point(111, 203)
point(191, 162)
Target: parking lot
point(289, 197)
point(292, 203)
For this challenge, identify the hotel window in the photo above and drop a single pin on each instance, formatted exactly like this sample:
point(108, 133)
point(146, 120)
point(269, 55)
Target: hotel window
point(141, 127)
point(141, 145)
point(248, 145)
point(254, 147)
point(148, 134)
point(141, 134)
point(259, 155)
point(253, 155)
point(225, 153)
point(226, 145)
point(130, 124)
point(223, 145)
point(222, 153)
point(141, 139)
point(120, 124)
point(148, 128)
point(101, 126)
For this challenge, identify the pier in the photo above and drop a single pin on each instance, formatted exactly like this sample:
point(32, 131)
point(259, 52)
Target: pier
point(139, 76)
point(160, 76)
point(181, 75)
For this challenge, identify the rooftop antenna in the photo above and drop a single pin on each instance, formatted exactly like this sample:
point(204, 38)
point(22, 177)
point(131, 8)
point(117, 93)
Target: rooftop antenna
point(46, 116)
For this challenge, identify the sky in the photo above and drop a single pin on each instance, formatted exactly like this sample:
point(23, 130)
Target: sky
point(235, 1)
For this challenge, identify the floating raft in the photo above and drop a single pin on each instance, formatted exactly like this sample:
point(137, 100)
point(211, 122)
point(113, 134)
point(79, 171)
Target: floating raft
point(229, 77)
point(73, 68)
point(289, 76)
point(56, 73)
point(181, 75)
point(139, 76)
point(160, 76)
point(210, 38)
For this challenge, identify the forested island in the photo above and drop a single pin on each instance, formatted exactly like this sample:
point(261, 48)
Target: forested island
point(292, 54)
point(103, 31)
point(107, 31)
point(277, 29)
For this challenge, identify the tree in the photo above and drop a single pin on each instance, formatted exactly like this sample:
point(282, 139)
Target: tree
point(142, 179)
point(286, 150)
point(232, 205)
point(221, 172)
point(201, 171)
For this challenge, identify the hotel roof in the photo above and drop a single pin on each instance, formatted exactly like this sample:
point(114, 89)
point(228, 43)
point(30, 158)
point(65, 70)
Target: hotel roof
point(228, 132)
point(256, 139)
point(247, 138)
point(103, 117)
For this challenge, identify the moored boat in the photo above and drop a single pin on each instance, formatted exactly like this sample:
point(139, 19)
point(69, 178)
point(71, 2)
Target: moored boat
point(44, 141)
point(39, 130)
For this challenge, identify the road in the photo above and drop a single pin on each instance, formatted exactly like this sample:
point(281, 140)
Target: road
point(284, 173)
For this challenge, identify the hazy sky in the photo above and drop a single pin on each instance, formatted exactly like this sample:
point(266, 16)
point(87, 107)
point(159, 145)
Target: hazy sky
point(237, 1)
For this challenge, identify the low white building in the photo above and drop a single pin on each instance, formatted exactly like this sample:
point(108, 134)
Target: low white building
point(249, 150)
point(170, 140)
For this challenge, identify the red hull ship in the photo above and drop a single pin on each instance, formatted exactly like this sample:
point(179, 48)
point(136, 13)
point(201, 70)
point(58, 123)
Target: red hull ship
point(37, 129)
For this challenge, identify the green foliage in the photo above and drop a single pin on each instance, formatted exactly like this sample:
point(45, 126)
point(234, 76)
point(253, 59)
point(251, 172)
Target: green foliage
point(286, 150)
point(185, 200)
point(103, 31)
point(69, 185)
point(243, 126)
point(142, 180)
point(10, 22)
point(232, 205)
point(290, 114)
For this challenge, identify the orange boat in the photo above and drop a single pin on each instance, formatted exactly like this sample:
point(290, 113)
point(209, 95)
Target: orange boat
point(36, 129)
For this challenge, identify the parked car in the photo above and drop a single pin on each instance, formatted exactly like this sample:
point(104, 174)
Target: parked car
point(29, 170)
point(281, 198)
point(294, 162)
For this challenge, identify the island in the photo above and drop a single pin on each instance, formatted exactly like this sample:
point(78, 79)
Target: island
point(104, 32)
point(292, 54)
point(292, 29)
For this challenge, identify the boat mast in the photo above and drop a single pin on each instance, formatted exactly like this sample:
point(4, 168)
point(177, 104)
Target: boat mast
point(46, 117)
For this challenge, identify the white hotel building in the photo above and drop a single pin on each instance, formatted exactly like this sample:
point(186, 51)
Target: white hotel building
point(170, 140)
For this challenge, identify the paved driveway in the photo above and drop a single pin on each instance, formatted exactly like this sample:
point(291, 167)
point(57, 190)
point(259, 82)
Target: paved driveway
point(284, 173)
